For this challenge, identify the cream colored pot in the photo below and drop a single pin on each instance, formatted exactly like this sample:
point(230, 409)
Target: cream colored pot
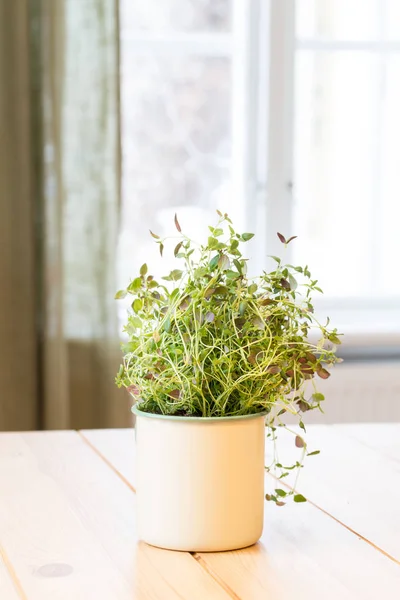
point(200, 481)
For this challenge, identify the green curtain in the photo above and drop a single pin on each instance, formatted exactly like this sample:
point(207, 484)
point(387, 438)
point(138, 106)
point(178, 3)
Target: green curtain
point(18, 340)
point(66, 196)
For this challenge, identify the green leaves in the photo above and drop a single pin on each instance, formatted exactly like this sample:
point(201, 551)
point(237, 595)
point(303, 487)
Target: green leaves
point(214, 262)
point(221, 289)
point(247, 236)
point(314, 453)
point(231, 274)
point(216, 232)
point(137, 305)
point(121, 294)
point(200, 272)
point(135, 322)
point(175, 275)
point(277, 496)
point(219, 260)
point(214, 343)
point(332, 337)
point(238, 265)
point(252, 288)
point(299, 498)
point(212, 243)
point(167, 325)
point(174, 294)
point(135, 285)
point(292, 282)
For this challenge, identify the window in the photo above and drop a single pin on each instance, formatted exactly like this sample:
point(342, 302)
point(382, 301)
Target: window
point(176, 73)
point(346, 158)
point(285, 114)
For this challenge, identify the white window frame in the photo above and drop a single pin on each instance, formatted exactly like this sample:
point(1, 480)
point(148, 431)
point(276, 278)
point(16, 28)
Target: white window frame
point(365, 322)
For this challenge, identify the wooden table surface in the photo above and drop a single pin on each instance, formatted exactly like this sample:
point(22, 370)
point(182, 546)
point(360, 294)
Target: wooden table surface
point(68, 529)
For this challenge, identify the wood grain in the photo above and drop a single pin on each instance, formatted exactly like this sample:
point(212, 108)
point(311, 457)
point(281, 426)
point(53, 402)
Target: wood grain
point(117, 447)
point(67, 525)
point(303, 553)
point(8, 587)
point(356, 478)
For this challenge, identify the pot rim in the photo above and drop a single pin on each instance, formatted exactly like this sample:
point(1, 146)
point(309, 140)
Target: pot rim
point(141, 413)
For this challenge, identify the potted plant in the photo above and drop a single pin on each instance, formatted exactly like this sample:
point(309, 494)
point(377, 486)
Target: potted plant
point(212, 358)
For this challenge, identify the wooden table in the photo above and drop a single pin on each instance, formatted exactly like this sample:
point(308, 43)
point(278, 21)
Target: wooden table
point(68, 530)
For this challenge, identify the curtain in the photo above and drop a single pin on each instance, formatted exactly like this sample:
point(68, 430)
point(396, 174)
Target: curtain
point(18, 340)
point(74, 166)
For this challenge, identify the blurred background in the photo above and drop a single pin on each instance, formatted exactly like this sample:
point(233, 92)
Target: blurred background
point(114, 115)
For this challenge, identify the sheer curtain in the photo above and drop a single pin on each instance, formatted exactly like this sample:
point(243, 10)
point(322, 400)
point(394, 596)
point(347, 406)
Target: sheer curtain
point(75, 168)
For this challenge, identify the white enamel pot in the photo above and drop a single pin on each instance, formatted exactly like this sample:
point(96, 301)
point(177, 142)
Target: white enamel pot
point(200, 481)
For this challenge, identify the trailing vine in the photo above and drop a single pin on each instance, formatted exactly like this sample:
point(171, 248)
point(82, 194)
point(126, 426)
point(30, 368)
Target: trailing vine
point(208, 341)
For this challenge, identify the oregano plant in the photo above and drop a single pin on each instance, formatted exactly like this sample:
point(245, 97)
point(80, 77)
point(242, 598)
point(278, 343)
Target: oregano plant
point(208, 341)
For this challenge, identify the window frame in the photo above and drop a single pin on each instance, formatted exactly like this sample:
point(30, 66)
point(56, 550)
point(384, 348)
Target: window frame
point(359, 315)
